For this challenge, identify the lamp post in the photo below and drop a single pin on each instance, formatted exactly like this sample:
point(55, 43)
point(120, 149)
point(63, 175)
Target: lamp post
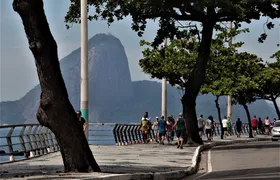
point(84, 63)
point(164, 91)
point(229, 106)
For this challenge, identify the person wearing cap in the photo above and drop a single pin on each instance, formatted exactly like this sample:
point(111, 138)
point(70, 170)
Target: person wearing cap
point(180, 126)
point(82, 121)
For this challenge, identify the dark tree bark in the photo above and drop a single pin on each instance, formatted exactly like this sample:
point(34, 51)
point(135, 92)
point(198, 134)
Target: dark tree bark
point(219, 115)
point(195, 82)
point(276, 107)
point(55, 110)
point(249, 120)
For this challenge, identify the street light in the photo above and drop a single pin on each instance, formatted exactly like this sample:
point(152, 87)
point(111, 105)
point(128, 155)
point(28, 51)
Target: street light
point(84, 63)
point(229, 106)
point(164, 90)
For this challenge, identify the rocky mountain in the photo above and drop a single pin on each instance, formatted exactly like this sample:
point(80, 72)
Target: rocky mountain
point(113, 97)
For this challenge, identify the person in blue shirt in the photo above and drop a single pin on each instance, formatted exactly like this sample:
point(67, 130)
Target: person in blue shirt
point(162, 125)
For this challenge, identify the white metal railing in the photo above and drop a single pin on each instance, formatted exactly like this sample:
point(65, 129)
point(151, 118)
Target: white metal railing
point(25, 141)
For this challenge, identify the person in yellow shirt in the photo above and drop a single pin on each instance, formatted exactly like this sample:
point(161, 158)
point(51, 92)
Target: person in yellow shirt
point(145, 126)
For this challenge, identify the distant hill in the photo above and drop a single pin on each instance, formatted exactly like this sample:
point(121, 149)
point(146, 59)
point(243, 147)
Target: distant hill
point(113, 97)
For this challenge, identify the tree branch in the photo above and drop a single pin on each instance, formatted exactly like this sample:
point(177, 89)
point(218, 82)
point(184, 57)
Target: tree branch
point(185, 17)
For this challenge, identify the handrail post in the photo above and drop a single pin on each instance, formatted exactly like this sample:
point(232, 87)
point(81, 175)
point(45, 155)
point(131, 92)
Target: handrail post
point(21, 139)
point(121, 133)
point(115, 134)
point(132, 134)
point(37, 139)
point(50, 138)
point(10, 144)
point(45, 135)
point(29, 142)
point(118, 133)
point(129, 134)
point(125, 134)
point(140, 133)
point(135, 130)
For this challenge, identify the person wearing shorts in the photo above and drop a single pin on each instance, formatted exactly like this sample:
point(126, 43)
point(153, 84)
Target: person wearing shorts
point(208, 128)
point(162, 130)
point(267, 125)
point(180, 128)
point(254, 122)
point(169, 128)
point(238, 125)
point(145, 127)
point(200, 123)
point(224, 126)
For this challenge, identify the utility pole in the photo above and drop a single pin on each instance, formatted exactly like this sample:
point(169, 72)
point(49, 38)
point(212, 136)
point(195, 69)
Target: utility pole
point(164, 91)
point(229, 106)
point(84, 63)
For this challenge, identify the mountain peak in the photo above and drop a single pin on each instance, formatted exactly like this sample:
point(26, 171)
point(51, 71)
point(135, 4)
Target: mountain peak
point(103, 38)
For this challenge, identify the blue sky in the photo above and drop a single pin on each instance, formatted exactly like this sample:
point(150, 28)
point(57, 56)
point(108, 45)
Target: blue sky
point(18, 73)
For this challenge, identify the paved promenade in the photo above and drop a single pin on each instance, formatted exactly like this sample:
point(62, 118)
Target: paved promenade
point(141, 161)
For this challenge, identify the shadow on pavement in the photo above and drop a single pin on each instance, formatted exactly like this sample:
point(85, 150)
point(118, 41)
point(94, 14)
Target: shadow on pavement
point(56, 171)
point(271, 173)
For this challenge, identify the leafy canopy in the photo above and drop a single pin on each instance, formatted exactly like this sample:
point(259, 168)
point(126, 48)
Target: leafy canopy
point(246, 77)
point(169, 12)
point(270, 79)
point(221, 67)
point(177, 60)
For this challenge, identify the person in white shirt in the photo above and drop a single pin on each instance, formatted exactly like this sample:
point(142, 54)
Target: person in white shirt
point(267, 125)
point(224, 126)
point(208, 128)
point(201, 124)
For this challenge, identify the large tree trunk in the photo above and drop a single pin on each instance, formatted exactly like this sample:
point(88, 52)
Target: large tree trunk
point(194, 83)
point(219, 116)
point(249, 120)
point(55, 110)
point(276, 107)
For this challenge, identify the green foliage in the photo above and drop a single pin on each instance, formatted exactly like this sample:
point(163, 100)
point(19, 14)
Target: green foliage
point(221, 67)
point(246, 77)
point(174, 62)
point(169, 12)
point(270, 79)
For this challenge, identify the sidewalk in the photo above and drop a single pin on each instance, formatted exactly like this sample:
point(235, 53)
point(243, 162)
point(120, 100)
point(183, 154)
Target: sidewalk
point(141, 161)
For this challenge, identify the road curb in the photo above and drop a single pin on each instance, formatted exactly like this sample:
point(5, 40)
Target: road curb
point(194, 168)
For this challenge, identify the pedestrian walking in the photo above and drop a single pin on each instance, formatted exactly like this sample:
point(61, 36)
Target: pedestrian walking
point(180, 126)
point(266, 125)
point(82, 121)
point(238, 127)
point(162, 126)
point(254, 123)
point(201, 124)
point(170, 128)
point(208, 128)
point(213, 130)
point(145, 125)
point(155, 129)
point(224, 126)
point(260, 126)
point(229, 126)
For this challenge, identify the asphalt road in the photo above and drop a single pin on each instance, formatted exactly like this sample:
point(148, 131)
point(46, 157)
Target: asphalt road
point(257, 160)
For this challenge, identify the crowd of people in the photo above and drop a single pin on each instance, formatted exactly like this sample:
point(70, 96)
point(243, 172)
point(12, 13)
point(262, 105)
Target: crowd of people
point(164, 129)
point(167, 129)
point(263, 127)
